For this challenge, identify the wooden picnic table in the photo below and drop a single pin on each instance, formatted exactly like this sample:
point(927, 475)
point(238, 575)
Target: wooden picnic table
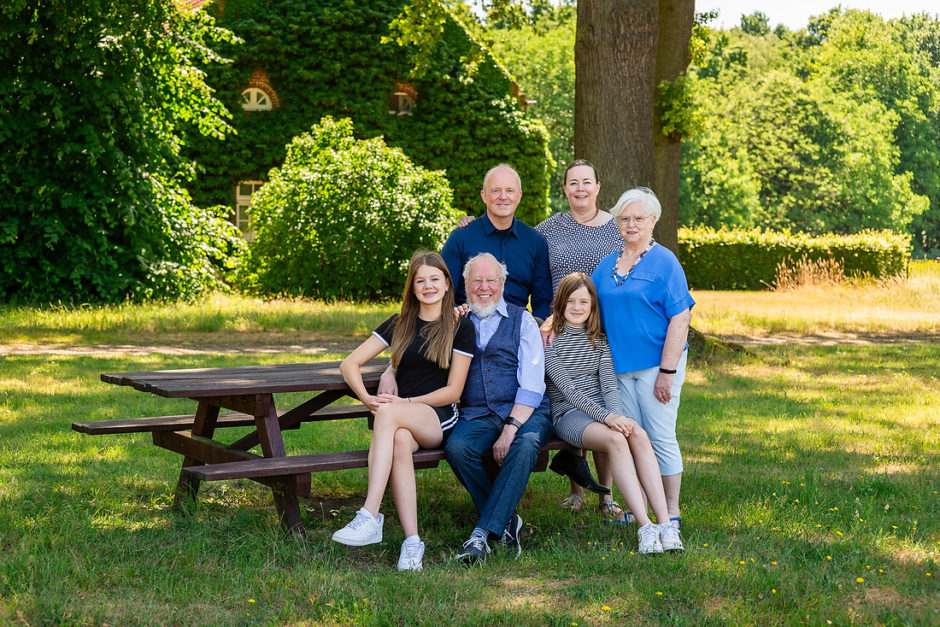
point(249, 391)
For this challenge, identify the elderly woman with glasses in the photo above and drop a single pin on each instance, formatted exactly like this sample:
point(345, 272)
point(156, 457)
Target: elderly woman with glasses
point(645, 307)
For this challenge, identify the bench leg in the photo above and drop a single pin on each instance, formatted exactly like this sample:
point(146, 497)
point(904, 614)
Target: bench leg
point(187, 486)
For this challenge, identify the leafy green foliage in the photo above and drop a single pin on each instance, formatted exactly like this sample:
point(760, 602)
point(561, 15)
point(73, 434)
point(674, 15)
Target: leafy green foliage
point(341, 217)
point(328, 58)
point(540, 56)
point(93, 105)
point(826, 131)
point(748, 259)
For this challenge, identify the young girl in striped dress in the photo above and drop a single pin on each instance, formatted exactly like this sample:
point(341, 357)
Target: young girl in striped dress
point(587, 414)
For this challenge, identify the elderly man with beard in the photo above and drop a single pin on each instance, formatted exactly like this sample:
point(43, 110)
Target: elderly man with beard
point(504, 408)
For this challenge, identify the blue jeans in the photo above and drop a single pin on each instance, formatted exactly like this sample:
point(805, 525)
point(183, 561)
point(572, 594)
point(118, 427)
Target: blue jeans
point(496, 502)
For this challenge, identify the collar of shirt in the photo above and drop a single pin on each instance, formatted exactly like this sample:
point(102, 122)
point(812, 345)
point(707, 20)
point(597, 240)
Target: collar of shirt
point(486, 327)
point(489, 228)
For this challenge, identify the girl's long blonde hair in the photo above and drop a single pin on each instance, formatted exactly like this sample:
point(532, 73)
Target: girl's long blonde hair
point(566, 287)
point(438, 335)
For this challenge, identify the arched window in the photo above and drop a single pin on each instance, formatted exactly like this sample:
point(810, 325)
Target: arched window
point(255, 99)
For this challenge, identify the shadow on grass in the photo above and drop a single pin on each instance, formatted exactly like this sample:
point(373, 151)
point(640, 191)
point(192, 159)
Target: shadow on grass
point(815, 466)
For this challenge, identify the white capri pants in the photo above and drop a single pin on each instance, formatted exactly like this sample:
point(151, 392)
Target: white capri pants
point(658, 420)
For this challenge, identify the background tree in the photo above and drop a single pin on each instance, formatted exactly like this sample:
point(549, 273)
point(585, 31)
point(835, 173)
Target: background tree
point(95, 97)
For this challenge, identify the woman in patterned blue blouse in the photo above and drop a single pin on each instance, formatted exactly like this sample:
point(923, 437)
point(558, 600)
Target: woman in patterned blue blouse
point(577, 240)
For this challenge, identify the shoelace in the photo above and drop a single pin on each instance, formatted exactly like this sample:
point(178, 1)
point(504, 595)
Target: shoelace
point(648, 530)
point(411, 551)
point(358, 521)
point(476, 543)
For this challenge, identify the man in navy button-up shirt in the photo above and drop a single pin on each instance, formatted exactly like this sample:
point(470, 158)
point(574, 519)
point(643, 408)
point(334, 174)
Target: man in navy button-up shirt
point(499, 233)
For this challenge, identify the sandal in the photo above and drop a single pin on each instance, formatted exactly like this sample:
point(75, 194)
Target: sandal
point(623, 521)
point(610, 509)
point(574, 502)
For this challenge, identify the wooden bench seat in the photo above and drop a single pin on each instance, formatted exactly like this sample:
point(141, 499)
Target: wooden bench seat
point(295, 464)
point(185, 421)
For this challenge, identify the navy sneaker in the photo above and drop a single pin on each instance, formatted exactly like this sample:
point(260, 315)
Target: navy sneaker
point(473, 550)
point(510, 539)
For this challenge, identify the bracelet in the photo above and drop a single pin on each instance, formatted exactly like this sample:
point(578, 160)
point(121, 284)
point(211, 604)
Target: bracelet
point(666, 370)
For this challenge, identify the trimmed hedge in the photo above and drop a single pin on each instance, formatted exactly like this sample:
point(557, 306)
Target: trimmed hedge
point(748, 260)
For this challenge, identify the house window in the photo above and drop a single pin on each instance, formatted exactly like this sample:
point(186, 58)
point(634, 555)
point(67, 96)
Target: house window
point(242, 219)
point(401, 104)
point(254, 99)
point(402, 100)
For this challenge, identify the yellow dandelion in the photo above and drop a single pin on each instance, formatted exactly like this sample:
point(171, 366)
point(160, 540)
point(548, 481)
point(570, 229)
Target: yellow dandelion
point(251, 600)
point(930, 574)
point(603, 558)
point(828, 557)
point(752, 559)
point(658, 593)
point(801, 484)
point(819, 525)
point(894, 526)
point(773, 591)
point(796, 500)
point(835, 509)
point(705, 545)
point(589, 544)
point(606, 608)
point(838, 533)
point(859, 580)
point(867, 566)
point(631, 552)
point(773, 563)
point(758, 537)
point(742, 562)
point(881, 570)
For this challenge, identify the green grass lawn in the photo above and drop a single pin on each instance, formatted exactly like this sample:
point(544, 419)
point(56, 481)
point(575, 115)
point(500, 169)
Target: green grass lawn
point(810, 496)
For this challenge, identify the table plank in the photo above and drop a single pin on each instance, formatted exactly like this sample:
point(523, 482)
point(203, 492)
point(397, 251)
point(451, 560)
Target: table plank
point(244, 380)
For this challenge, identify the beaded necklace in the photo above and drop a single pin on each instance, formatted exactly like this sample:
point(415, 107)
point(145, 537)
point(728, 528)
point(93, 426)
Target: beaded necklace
point(621, 279)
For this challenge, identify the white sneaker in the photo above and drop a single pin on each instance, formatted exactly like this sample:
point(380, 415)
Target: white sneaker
point(669, 537)
point(364, 529)
point(648, 535)
point(411, 555)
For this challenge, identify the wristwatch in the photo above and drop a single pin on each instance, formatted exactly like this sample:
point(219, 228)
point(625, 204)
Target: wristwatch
point(512, 421)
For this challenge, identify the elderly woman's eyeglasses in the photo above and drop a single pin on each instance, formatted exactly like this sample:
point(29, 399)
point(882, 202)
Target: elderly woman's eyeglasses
point(638, 220)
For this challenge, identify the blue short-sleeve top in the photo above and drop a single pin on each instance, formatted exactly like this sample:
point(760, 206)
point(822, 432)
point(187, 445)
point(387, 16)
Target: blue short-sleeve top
point(636, 314)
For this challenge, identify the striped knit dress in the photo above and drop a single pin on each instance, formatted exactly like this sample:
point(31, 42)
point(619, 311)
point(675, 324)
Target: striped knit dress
point(578, 376)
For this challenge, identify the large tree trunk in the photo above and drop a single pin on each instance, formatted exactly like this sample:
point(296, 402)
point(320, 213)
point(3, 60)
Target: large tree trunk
point(623, 49)
point(672, 59)
point(615, 89)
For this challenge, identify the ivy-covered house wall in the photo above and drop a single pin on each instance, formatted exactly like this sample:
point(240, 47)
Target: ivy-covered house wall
point(313, 58)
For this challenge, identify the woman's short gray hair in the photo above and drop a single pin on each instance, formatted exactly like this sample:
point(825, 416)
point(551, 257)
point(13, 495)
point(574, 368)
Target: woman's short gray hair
point(503, 272)
point(643, 195)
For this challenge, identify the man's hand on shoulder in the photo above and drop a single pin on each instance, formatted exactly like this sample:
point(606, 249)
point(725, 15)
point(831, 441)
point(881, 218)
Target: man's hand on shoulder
point(464, 221)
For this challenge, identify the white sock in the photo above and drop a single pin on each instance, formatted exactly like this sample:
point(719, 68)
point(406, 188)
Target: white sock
point(415, 539)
